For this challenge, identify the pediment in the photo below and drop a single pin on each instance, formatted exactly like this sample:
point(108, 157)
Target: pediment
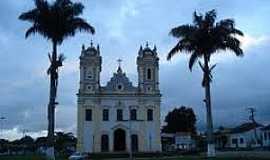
point(119, 83)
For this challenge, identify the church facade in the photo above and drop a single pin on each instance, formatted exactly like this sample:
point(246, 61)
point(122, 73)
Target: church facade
point(119, 117)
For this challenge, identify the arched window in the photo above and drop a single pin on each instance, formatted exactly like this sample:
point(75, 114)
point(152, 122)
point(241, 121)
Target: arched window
point(104, 143)
point(149, 74)
point(133, 114)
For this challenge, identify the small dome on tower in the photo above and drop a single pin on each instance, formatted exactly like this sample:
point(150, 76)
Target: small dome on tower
point(91, 50)
point(147, 51)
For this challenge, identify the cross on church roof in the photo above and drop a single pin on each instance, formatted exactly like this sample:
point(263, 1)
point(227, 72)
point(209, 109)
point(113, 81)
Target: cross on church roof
point(119, 62)
point(119, 70)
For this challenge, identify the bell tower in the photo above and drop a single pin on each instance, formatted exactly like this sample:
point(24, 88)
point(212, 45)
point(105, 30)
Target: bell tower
point(90, 68)
point(148, 70)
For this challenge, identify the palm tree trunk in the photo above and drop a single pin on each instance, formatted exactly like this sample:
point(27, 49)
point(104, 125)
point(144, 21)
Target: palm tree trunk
point(210, 138)
point(51, 105)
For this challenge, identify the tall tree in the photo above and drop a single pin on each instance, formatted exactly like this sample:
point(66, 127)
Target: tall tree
point(201, 40)
point(55, 21)
point(180, 119)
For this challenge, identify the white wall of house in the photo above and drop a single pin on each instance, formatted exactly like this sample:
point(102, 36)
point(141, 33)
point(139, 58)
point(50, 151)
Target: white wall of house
point(244, 139)
point(184, 142)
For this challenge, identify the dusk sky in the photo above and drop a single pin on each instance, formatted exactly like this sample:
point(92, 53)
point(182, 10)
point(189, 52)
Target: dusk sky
point(121, 27)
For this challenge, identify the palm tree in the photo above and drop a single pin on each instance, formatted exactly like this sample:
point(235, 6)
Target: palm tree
point(55, 21)
point(201, 40)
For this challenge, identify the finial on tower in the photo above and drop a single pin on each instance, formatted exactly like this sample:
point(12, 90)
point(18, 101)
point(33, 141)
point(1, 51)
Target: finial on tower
point(83, 47)
point(147, 45)
point(98, 51)
point(91, 43)
point(140, 51)
point(155, 48)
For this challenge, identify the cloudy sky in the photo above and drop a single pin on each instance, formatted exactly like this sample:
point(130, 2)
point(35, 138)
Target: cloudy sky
point(121, 27)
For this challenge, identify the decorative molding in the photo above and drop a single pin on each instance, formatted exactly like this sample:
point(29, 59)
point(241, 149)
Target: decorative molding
point(120, 126)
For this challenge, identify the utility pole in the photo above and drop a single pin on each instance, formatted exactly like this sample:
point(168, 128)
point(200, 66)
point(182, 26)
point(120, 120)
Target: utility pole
point(2, 120)
point(252, 111)
point(252, 114)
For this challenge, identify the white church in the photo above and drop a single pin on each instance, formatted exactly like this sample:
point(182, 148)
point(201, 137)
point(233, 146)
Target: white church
point(119, 117)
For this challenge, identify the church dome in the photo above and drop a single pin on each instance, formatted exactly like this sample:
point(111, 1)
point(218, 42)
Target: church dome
point(91, 50)
point(147, 51)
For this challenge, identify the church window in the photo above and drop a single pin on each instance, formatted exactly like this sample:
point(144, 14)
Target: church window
point(105, 114)
point(89, 87)
point(119, 87)
point(149, 74)
point(88, 115)
point(149, 115)
point(133, 114)
point(119, 113)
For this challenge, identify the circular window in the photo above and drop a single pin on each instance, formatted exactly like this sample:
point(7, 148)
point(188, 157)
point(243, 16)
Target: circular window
point(89, 87)
point(119, 87)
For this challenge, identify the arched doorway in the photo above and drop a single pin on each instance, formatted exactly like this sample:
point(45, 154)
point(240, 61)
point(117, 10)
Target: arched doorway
point(104, 143)
point(119, 140)
point(134, 142)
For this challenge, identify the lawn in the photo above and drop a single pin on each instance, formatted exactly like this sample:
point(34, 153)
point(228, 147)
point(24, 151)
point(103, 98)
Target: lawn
point(201, 158)
point(32, 157)
point(27, 157)
point(204, 158)
point(171, 158)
